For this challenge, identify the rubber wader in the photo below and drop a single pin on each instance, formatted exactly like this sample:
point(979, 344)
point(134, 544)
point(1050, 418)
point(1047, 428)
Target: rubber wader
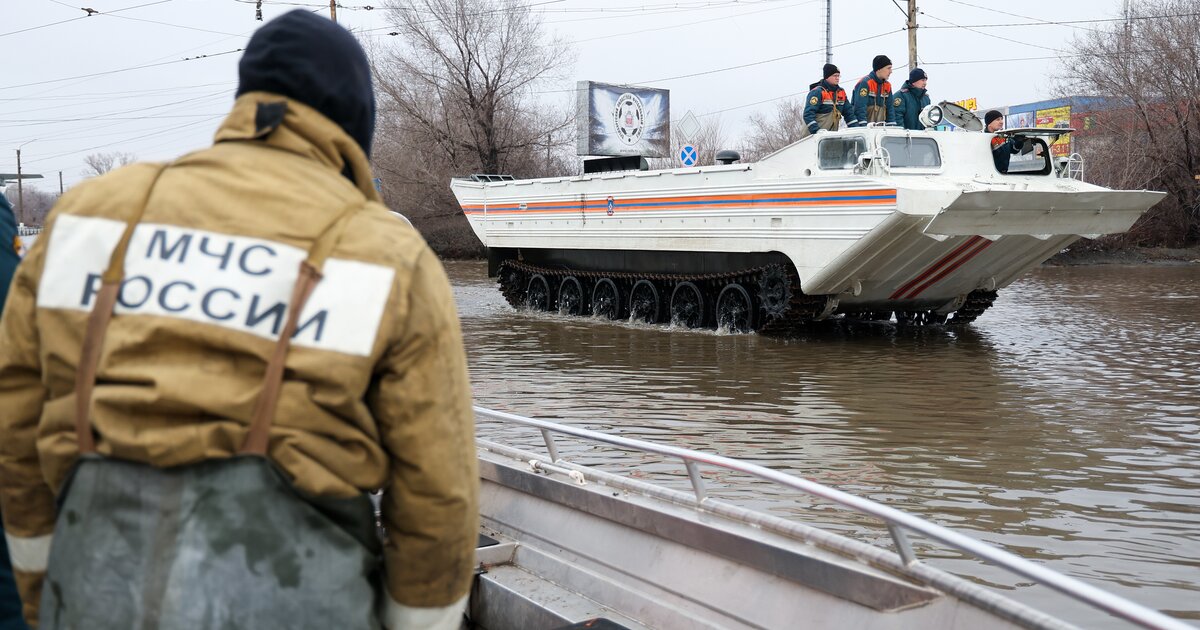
point(219, 544)
point(876, 113)
point(829, 121)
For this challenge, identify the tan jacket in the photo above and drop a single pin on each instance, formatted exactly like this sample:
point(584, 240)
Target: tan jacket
point(375, 394)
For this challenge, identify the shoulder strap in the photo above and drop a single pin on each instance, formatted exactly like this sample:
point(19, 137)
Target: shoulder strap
point(97, 326)
point(258, 437)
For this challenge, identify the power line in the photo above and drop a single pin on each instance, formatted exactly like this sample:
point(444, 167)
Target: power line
point(115, 95)
point(117, 114)
point(1024, 17)
point(704, 21)
point(30, 122)
point(1070, 22)
point(1062, 56)
point(74, 131)
point(148, 135)
point(974, 30)
point(190, 28)
point(744, 65)
point(83, 17)
point(339, 5)
point(642, 11)
point(148, 65)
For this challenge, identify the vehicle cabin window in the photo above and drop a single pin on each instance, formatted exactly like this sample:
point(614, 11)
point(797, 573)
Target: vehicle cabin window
point(1034, 162)
point(909, 152)
point(840, 153)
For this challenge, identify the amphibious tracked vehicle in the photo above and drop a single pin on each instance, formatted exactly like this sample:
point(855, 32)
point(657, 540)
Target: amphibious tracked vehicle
point(865, 223)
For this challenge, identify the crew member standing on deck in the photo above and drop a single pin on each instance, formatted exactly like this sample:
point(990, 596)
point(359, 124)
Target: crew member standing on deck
point(825, 105)
point(207, 365)
point(910, 100)
point(872, 97)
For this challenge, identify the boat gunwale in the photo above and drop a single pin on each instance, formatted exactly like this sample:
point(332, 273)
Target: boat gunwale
point(897, 521)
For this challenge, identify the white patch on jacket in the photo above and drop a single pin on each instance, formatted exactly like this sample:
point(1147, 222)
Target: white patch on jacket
point(235, 282)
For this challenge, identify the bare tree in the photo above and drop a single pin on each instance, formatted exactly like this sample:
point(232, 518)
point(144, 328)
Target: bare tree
point(101, 163)
point(1147, 133)
point(37, 204)
point(769, 134)
point(466, 74)
point(460, 95)
point(709, 140)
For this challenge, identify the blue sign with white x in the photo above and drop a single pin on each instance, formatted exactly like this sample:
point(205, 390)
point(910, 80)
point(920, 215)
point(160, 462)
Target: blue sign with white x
point(688, 155)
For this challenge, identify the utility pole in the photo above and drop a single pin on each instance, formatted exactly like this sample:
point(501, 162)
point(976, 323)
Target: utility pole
point(828, 31)
point(60, 186)
point(333, 10)
point(20, 189)
point(912, 34)
point(1128, 24)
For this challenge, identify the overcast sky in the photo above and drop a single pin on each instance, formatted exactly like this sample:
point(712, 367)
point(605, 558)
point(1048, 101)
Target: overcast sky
point(67, 89)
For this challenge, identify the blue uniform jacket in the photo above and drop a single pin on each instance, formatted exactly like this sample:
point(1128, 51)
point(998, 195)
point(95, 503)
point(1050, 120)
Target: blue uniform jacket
point(10, 602)
point(822, 99)
point(870, 90)
point(8, 249)
point(1002, 152)
point(907, 106)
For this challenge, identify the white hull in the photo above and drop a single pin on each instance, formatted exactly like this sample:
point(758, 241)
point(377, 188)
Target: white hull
point(902, 238)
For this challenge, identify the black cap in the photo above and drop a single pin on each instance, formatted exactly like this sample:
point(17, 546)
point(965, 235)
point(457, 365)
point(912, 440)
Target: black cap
point(916, 75)
point(880, 61)
point(990, 116)
point(313, 60)
point(829, 71)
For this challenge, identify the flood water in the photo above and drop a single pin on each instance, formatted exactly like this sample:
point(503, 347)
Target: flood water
point(1063, 426)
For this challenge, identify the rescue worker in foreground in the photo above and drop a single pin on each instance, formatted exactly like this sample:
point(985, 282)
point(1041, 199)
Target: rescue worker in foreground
point(10, 245)
point(871, 101)
point(825, 105)
point(281, 345)
point(910, 100)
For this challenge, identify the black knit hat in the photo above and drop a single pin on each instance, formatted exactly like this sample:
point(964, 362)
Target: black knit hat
point(829, 71)
point(990, 116)
point(313, 60)
point(916, 75)
point(880, 61)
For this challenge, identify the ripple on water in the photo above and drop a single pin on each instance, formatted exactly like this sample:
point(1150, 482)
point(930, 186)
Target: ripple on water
point(1063, 426)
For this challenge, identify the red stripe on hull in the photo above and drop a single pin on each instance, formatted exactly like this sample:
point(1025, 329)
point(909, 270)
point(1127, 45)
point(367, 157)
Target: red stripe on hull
point(948, 270)
point(945, 260)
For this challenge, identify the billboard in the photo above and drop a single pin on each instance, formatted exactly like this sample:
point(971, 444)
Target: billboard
point(1056, 117)
point(622, 120)
point(1019, 121)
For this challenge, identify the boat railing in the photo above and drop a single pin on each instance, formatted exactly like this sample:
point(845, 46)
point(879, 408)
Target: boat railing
point(899, 523)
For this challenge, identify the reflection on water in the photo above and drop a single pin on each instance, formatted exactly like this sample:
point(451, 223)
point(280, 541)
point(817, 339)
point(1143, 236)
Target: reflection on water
point(1063, 426)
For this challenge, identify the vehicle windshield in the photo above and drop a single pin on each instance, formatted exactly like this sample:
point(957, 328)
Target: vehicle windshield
point(1025, 156)
point(840, 153)
point(909, 152)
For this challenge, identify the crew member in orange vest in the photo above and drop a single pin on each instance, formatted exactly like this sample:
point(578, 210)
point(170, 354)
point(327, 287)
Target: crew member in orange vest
point(825, 105)
point(873, 95)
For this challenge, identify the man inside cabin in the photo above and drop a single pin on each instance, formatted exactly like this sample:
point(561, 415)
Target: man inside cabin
point(206, 365)
point(1004, 148)
point(825, 105)
point(872, 97)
